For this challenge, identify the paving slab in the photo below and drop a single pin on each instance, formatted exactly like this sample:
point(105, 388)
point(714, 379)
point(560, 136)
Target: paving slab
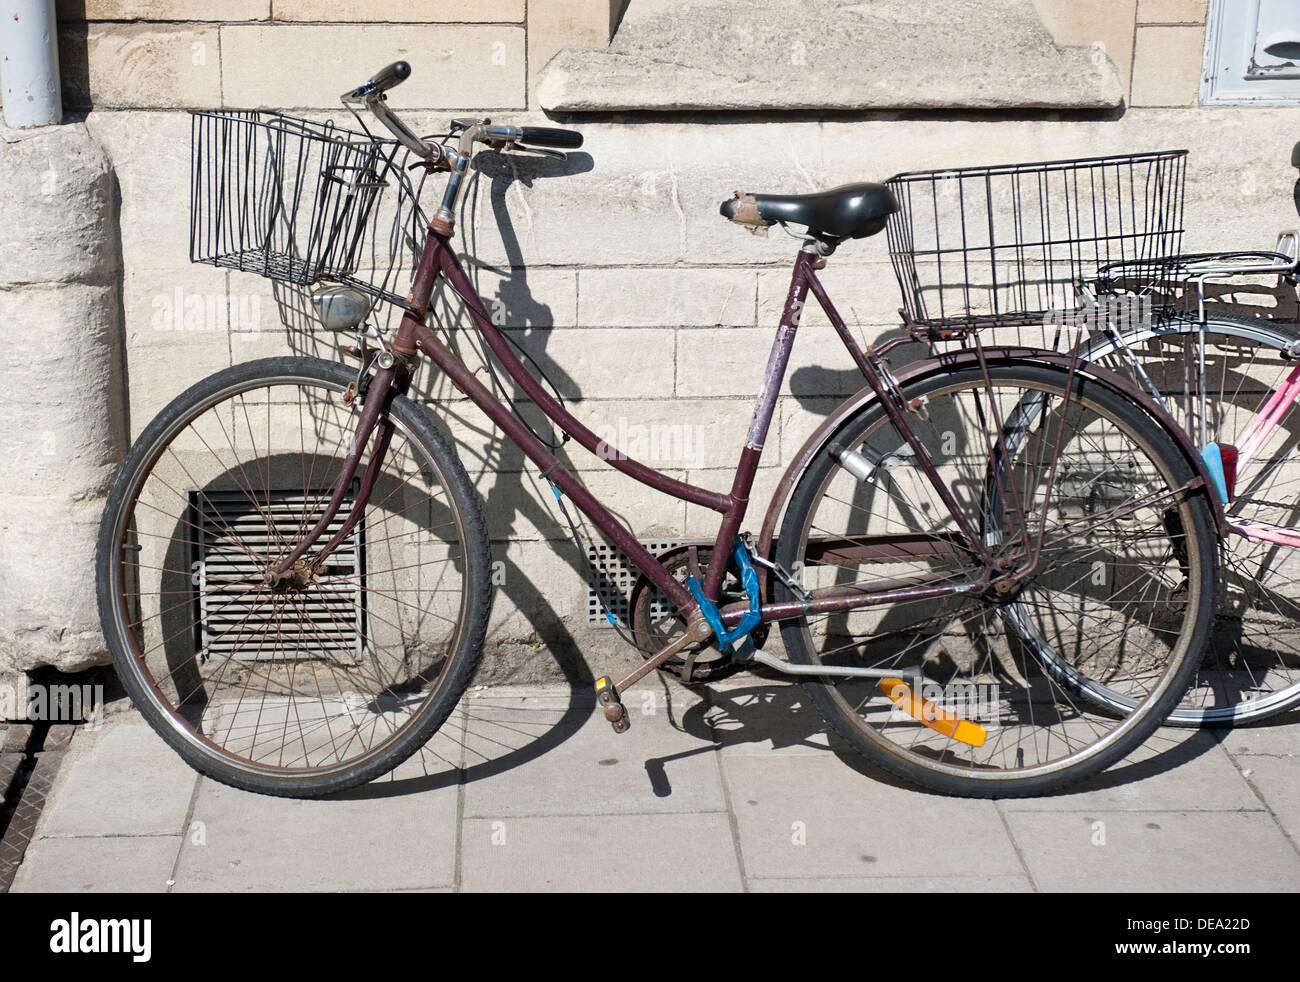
point(1277, 779)
point(758, 718)
point(120, 780)
point(1274, 738)
point(631, 853)
point(396, 833)
point(1127, 851)
point(1008, 883)
point(1175, 770)
point(97, 864)
point(815, 817)
point(244, 842)
point(655, 767)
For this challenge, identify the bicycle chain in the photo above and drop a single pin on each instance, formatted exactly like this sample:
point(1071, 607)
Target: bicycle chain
point(1260, 501)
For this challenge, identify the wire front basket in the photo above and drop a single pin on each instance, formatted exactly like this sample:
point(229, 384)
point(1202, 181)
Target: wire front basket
point(283, 197)
point(1007, 245)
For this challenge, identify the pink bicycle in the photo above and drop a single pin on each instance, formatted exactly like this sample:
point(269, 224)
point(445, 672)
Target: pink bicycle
point(294, 566)
point(1230, 376)
point(1189, 331)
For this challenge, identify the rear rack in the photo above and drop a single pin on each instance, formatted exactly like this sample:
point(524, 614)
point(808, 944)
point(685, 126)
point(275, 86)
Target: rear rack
point(1008, 245)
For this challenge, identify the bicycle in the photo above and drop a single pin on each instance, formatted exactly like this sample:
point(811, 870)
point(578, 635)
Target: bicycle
point(294, 567)
point(1227, 376)
point(1238, 389)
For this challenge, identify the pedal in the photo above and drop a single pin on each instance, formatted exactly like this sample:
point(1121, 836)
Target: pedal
point(615, 711)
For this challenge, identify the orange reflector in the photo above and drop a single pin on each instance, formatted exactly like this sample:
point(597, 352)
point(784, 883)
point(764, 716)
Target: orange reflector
point(928, 714)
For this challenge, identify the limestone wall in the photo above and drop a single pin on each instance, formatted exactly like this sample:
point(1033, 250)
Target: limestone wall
point(64, 425)
point(652, 313)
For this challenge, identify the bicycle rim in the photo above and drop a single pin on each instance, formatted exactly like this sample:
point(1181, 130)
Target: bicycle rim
point(1115, 605)
point(342, 673)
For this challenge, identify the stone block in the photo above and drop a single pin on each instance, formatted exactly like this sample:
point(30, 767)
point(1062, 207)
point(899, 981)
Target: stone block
point(144, 66)
point(674, 297)
point(414, 12)
point(308, 65)
point(557, 24)
point(56, 216)
point(1167, 66)
point(1172, 11)
point(662, 61)
point(1104, 27)
point(166, 10)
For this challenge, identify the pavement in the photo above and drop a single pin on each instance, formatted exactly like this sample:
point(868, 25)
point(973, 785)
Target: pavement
point(737, 788)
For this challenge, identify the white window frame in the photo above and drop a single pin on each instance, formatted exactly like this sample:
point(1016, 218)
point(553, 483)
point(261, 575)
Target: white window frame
point(1230, 28)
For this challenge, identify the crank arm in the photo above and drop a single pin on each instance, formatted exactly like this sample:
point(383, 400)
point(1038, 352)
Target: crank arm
point(609, 694)
point(697, 629)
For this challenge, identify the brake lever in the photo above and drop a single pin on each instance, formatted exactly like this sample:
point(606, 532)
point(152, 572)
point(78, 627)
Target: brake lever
point(439, 160)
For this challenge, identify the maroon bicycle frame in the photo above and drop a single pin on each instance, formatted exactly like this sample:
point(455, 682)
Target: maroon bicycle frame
point(414, 337)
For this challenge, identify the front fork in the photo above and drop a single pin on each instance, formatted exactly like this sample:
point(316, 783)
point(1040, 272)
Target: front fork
point(390, 379)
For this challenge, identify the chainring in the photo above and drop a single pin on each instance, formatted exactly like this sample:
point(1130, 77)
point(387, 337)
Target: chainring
point(656, 621)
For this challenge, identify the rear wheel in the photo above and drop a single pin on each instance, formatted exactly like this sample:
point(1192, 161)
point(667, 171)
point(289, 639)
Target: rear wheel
point(982, 692)
point(331, 677)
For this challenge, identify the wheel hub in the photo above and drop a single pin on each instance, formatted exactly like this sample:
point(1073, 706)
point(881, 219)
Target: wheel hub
point(295, 579)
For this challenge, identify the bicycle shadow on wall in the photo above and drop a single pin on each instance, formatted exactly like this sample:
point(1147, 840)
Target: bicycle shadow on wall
point(497, 738)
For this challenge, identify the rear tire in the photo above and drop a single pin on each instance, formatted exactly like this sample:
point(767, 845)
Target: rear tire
point(1121, 588)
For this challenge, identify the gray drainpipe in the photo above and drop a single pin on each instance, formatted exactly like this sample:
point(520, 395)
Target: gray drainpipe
point(29, 63)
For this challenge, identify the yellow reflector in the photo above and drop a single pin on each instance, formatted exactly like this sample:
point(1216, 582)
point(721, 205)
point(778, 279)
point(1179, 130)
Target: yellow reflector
point(928, 714)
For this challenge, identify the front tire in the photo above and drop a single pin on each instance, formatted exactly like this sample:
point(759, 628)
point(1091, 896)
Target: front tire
point(310, 687)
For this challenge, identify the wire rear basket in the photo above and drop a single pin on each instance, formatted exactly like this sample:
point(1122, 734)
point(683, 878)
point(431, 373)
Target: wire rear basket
point(283, 197)
point(989, 246)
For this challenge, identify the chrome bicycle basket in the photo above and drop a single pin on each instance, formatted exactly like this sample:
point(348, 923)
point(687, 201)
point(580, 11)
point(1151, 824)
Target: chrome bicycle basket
point(283, 197)
point(992, 246)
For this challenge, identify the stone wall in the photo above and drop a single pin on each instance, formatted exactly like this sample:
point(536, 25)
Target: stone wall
point(652, 313)
point(63, 435)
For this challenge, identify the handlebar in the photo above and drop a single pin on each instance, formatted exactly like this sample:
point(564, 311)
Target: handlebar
point(371, 93)
point(436, 156)
point(386, 78)
point(537, 136)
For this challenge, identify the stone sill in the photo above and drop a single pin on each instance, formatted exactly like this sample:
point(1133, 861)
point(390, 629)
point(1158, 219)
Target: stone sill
point(779, 55)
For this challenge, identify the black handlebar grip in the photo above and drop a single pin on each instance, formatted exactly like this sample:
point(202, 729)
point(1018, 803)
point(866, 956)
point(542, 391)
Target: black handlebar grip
point(550, 136)
point(389, 76)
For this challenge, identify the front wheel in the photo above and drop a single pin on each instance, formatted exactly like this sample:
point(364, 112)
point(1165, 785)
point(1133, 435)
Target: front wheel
point(317, 682)
point(979, 691)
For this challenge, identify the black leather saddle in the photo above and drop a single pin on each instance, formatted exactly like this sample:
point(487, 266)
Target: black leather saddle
point(853, 211)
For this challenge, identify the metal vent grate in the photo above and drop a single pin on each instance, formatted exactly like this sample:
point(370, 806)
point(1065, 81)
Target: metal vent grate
point(326, 621)
point(610, 577)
